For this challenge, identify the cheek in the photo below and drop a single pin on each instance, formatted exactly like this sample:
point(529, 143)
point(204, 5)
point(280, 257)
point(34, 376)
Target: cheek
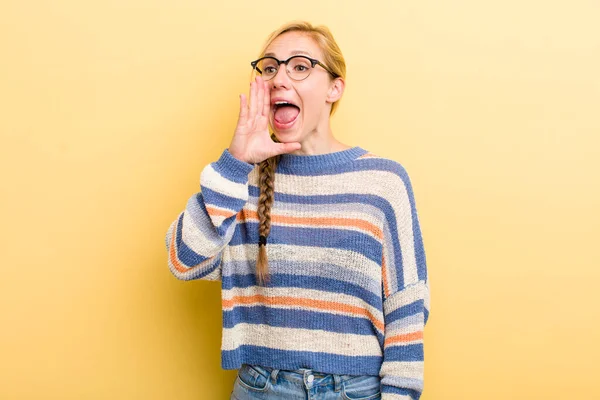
point(313, 103)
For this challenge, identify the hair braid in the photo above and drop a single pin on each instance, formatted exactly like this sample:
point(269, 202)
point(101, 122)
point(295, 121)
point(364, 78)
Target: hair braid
point(265, 201)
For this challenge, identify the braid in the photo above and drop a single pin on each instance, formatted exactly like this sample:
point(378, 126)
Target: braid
point(265, 201)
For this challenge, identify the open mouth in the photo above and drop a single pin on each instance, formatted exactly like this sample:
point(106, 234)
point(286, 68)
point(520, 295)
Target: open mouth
point(285, 114)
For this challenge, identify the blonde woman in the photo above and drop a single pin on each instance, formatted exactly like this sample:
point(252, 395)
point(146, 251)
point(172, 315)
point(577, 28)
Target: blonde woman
point(316, 243)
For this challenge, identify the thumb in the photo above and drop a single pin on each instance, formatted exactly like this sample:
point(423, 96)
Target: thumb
point(281, 148)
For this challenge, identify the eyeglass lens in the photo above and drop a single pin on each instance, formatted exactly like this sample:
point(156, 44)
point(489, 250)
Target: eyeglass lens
point(298, 67)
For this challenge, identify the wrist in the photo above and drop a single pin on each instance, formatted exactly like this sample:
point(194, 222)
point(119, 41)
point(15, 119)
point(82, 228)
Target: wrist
point(231, 167)
point(238, 156)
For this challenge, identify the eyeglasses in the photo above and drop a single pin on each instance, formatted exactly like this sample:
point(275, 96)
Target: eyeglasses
point(297, 67)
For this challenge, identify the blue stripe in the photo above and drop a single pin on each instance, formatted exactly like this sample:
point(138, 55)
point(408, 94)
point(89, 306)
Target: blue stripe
point(413, 308)
point(231, 168)
point(292, 360)
point(201, 273)
point(304, 319)
point(365, 164)
point(417, 238)
point(315, 237)
point(186, 255)
point(222, 200)
point(409, 352)
point(189, 258)
point(318, 268)
point(304, 281)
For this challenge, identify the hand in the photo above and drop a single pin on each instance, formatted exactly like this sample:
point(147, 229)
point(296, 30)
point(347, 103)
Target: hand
point(252, 141)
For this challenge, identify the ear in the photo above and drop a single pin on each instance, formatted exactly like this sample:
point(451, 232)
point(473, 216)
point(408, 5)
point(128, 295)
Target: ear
point(336, 89)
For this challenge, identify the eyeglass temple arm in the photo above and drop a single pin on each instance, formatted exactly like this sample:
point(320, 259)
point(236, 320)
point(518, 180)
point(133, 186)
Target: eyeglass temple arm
point(253, 64)
point(324, 66)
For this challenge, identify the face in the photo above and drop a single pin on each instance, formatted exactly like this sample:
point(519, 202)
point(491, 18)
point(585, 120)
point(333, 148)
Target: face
point(313, 96)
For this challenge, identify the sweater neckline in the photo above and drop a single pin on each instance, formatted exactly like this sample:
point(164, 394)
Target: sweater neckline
point(316, 162)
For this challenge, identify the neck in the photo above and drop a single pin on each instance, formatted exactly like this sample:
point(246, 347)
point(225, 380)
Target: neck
point(319, 142)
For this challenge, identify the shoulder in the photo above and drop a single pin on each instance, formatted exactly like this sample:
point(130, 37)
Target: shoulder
point(390, 168)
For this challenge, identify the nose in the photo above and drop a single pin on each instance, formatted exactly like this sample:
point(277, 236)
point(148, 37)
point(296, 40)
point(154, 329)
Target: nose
point(281, 78)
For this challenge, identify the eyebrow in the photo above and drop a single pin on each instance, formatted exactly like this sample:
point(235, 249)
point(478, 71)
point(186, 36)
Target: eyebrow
point(295, 52)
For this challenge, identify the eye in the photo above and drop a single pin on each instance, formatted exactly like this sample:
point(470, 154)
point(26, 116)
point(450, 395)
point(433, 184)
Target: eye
point(270, 70)
point(300, 68)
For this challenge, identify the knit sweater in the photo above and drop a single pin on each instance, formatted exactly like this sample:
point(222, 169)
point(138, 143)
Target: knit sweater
point(348, 290)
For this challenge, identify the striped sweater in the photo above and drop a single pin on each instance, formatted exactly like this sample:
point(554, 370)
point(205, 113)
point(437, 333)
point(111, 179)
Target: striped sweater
point(348, 290)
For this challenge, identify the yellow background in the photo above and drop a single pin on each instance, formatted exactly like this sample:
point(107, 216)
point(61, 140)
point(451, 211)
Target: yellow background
point(110, 110)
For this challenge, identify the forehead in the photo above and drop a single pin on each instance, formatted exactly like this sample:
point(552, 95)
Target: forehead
point(292, 43)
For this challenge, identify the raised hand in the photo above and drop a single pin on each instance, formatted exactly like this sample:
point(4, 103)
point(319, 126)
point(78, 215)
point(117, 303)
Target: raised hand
point(251, 141)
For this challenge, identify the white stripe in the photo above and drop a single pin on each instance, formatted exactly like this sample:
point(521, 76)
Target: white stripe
point(404, 226)
point(405, 330)
point(297, 339)
point(408, 295)
point(405, 343)
point(216, 182)
point(404, 369)
point(313, 269)
point(426, 297)
point(394, 396)
point(346, 259)
point(401, 325)
point(365, 212)
point(197, 241)
point(391, 268)
point(213, 276)
point(204, 222)
point(217, 220)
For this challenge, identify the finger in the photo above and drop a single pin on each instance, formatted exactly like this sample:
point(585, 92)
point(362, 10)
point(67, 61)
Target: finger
point(252, 100)
point(243, 107)
point(260, 95)
point(281, 148)
point(267, 101)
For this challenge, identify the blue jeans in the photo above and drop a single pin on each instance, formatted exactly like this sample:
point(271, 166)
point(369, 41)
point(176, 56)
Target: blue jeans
point(258, 382)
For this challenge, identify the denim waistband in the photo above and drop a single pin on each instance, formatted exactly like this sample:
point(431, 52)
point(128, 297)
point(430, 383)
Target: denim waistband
point(302, 375)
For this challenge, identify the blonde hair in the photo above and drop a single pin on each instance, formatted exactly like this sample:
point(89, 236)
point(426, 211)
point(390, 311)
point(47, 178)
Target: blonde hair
point(334, 60)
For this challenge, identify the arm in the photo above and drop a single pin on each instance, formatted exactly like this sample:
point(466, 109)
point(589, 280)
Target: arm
point(196, 239)
point(405, 296)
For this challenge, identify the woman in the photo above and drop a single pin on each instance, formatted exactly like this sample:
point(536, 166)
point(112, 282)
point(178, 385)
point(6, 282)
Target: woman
point(334, 307)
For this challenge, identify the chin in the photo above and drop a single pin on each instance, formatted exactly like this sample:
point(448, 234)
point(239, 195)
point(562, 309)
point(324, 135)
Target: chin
point(288, 135)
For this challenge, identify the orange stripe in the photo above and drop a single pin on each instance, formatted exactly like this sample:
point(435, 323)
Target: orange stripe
point(173, 253)
point(331, 221)
point(403, 338)
point(217, 211)
point(299, 301)
point(173, 250)
point(386, 288)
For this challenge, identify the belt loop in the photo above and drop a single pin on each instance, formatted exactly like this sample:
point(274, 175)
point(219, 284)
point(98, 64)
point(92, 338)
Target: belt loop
point(274, 373)
point(338, 383)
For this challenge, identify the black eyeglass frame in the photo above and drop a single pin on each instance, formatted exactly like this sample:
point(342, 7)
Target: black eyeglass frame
point(313, 63)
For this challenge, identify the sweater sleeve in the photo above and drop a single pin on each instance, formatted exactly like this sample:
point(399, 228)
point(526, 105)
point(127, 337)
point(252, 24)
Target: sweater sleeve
point(405, 295)
point(196, 238)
